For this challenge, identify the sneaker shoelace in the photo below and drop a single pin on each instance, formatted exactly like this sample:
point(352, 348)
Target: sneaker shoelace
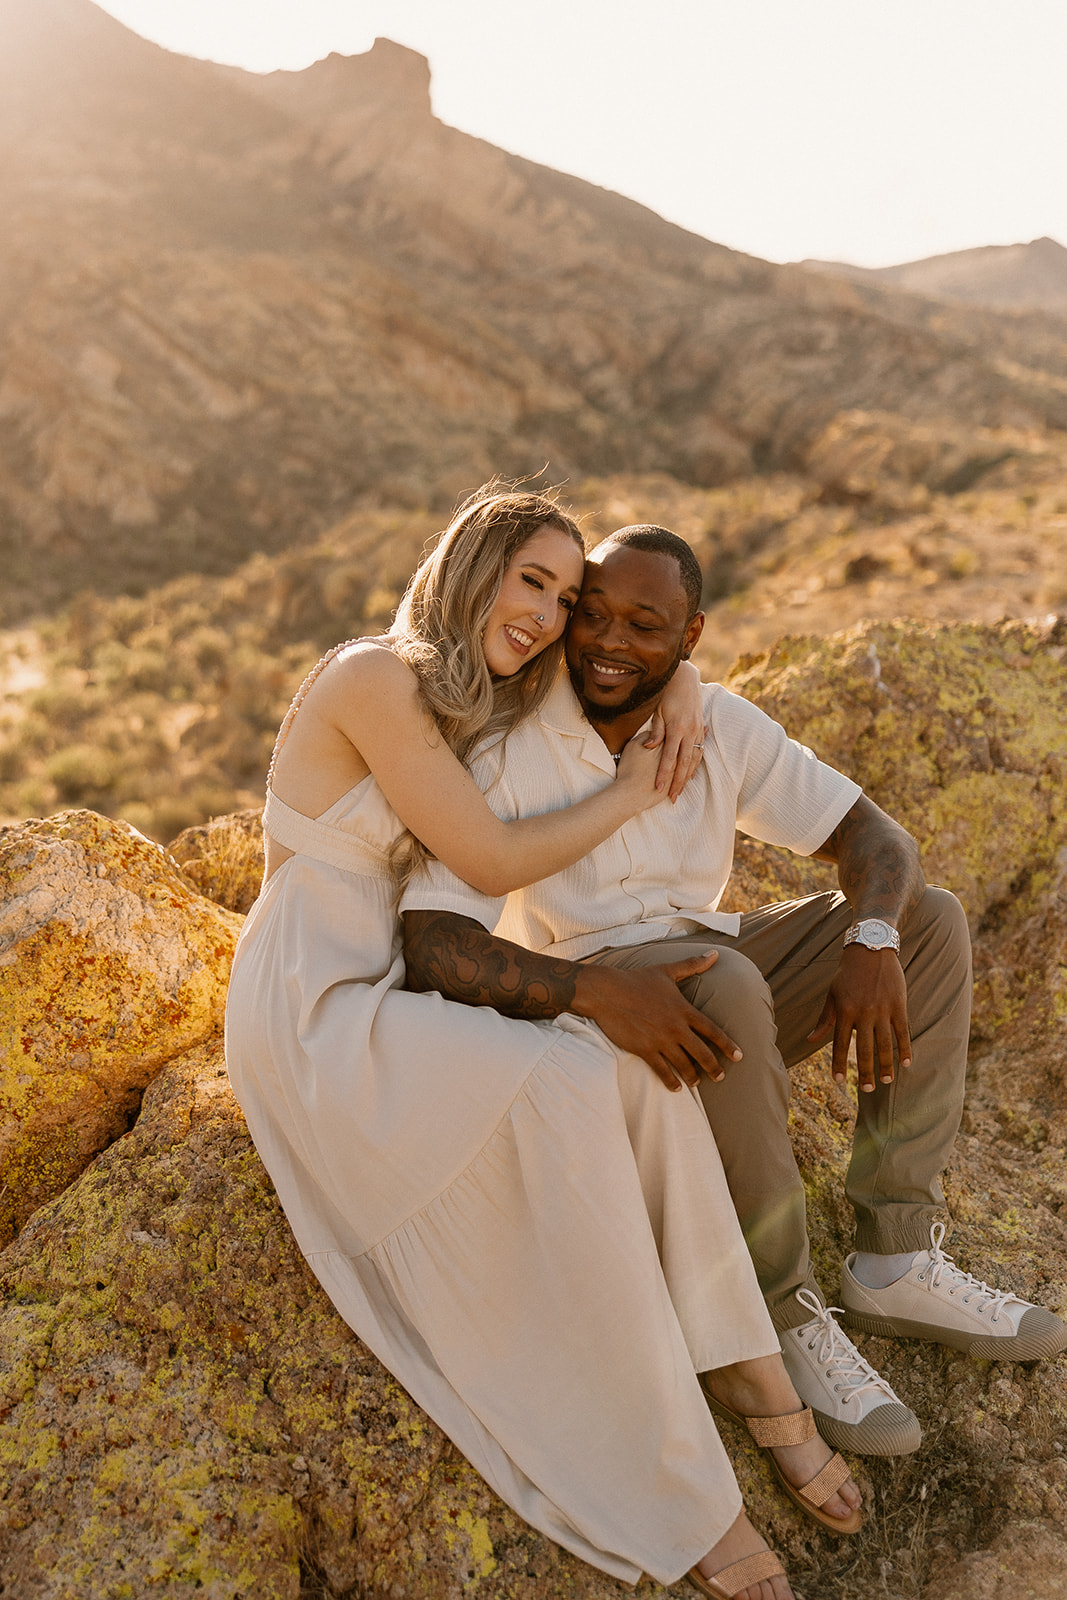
point(851, 1375)
point(942, 1270)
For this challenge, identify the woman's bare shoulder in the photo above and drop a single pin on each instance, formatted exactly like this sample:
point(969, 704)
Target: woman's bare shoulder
point(371, 663)
point(366, 679)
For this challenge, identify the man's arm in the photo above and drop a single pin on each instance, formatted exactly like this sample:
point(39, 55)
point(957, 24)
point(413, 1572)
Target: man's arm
point(640, 1010)
point(878, 864)
point(881, 875)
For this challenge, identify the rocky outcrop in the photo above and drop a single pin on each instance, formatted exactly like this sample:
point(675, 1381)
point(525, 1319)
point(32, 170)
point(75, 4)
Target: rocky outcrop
point(110, 965)
point(224, 858)
point(182, 1408)
point(961, 733)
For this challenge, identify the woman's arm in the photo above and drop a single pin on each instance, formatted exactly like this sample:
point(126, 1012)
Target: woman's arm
point(680, 721)
point(363, 714)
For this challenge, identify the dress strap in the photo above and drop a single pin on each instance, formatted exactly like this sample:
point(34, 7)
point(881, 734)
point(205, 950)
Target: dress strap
point(298, 700)
point(334, 846)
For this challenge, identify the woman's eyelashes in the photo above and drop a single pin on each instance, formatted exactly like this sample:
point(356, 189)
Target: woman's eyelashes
point(535, 583)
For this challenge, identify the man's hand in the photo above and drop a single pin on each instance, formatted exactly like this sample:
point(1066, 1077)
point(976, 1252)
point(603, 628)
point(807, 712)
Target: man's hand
point(642, 1010)
point(867, 998)
point(881, 875)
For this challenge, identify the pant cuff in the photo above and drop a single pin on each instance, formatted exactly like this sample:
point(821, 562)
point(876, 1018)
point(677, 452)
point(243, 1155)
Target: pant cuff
point(787, 1311)
point(899, 1232)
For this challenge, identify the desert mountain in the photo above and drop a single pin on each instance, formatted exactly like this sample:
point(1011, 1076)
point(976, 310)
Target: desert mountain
point(233, 307)
point(1013, 277)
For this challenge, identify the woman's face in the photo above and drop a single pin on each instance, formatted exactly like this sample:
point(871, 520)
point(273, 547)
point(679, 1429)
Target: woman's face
point(538, 594)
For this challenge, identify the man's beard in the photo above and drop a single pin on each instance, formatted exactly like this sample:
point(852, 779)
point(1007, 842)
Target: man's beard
point(642, 694)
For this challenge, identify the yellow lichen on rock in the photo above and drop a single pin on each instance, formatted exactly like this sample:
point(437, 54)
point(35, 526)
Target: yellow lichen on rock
point(110, 965)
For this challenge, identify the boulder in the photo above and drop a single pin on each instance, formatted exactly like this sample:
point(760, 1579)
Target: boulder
point(110, 965)
point(1029, 1559)
point(224, 857)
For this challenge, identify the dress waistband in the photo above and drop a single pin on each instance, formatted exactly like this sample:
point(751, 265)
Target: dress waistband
point(324, 842)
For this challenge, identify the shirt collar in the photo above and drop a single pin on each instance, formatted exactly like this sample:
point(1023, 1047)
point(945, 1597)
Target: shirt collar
point(562, 712)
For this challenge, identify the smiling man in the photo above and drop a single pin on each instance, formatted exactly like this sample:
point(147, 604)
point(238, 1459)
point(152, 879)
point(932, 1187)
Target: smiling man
point(884, 962)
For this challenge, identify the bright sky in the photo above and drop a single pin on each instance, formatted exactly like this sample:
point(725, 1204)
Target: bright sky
point(872, 131)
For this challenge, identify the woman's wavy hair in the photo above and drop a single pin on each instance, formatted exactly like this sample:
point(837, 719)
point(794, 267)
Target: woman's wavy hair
point(442, 617)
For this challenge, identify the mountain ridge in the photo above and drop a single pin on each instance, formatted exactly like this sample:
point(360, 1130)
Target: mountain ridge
point(1015, 277)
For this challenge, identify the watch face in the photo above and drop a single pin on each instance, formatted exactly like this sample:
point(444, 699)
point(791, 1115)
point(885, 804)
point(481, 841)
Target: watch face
point(874, 934)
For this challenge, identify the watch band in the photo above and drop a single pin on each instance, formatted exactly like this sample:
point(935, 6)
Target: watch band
point(873, 934)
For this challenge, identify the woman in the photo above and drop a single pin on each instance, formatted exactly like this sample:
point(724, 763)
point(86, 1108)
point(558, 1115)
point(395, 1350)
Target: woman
point(532, 1236)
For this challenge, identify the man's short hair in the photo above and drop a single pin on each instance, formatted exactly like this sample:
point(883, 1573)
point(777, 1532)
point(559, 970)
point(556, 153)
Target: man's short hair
point(662, 542)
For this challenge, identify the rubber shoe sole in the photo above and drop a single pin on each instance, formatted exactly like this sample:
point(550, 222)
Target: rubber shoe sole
point(1041, 1336)
point(889, 1430)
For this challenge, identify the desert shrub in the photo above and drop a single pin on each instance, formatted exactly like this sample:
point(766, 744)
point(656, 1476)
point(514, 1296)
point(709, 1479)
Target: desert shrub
point(63, 703)
point(83, 774)
point(172, 814)
point(12, 763)
point(210, 649)
point(123, 668)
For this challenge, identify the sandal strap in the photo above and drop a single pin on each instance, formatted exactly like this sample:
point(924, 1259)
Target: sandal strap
point(797, 1427)
point(752, 1569)
point(824, 1483)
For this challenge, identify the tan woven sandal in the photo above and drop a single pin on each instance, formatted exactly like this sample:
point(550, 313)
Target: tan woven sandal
point(797, 1428)
point(731, 1580)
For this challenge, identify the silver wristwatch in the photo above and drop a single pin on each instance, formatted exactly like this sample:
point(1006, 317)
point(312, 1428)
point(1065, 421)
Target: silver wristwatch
point(873, 934)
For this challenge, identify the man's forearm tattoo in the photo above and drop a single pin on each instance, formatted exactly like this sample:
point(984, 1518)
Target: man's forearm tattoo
point(878, 865)
point(457, 957)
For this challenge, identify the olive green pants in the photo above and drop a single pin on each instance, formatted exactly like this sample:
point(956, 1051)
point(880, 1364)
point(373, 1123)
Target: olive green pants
point(766, 991)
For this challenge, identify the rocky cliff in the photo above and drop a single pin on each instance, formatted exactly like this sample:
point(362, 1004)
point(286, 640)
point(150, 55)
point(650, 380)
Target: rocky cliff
point(232, 307)
point(182, 1409)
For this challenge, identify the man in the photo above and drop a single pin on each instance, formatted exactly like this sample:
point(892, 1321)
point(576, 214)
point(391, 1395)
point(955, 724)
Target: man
point(886, 962)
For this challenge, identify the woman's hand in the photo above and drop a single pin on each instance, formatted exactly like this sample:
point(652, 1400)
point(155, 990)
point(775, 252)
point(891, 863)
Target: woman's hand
point(678, 730)
point(638, 774)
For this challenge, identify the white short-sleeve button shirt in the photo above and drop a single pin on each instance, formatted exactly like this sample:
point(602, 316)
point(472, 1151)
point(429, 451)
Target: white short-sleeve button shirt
point(663, 872)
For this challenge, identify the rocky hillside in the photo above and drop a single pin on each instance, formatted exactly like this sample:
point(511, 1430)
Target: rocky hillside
point(234, 308)
point(1012, 277)
point(181, 1407)
point(163, 708)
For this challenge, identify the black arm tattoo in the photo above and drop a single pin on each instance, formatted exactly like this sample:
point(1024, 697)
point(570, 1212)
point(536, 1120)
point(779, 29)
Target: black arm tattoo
point(457, 957)
point(878, 864)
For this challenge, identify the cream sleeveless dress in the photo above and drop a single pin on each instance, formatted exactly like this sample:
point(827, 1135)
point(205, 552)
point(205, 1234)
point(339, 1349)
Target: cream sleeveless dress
point(522, 1223)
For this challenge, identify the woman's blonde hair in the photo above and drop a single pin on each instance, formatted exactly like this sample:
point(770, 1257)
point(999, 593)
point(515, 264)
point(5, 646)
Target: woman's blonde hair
point(442, 617)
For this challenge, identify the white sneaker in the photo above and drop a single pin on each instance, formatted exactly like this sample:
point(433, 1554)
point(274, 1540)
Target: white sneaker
point(937, 1300)
point(855, 1409)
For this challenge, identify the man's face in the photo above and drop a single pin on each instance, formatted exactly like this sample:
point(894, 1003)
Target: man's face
point(628, 632)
